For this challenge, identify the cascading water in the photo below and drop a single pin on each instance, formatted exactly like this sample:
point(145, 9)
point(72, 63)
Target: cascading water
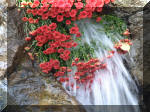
point(111, 86)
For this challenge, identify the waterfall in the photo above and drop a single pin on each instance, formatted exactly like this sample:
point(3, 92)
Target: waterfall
point(111, 86)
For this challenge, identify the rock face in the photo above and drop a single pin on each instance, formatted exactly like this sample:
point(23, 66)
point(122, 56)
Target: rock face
point(3, 51)
point(146, 57)
point(131, 3)
point(3, 39)
point(136, 27)
point(3, 94)
point(15, 36)
point(27, 86)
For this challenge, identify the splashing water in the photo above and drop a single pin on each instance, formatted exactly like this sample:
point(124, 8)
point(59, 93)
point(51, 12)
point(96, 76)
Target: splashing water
point(111, 86)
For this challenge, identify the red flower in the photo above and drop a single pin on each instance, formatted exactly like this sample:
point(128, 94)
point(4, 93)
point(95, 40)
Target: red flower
point(83, 14)
point(49, 51)
point(78, 34)
point(73, 18)
point(77, 77)
point(40, 12)
point(63, 69)
point(66, 52)
point(59, 74)
point(126, 40)
point(100, 3)
point(60, 18)
point(56, 64)
point(54, 44)
point(63, 38)
point(62, 79)
point(107, 1)
point(68, 22)
point(57, 35)
point(31, 20)
point(98, 19)
point(45, 71)
point(67, 79)
point(90, 14)
point(79, 5)
point(64, 57)
point(41, 39)
point(76, 59)
point(66, 15)
point(88, 7)
point(74, 30)
point(73, 13)
point(104, 65)
point(46, 67)
point(67, 7)
point(53, 26)
point(34, 12)
point(45, 16)
point(24, 19)
point(68, 37)
point(36, 21)
point(36, 3)
point(28, 38)
point(74, 44)
point(29, 11)
point(73, 64)
point(99, 9)
point(69, 70)
point(60, 50)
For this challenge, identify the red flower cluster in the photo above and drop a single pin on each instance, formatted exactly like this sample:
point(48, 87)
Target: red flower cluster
point(62, 9)
point(61, 74)
point(48, 66)
point(58, 42)
point(85, 70)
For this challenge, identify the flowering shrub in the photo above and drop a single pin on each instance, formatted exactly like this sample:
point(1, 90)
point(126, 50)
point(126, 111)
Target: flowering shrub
point(51, 25)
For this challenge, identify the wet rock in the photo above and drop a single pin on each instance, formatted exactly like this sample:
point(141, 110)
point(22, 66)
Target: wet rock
point(27, 86)
point(131, 3)
point(3, 49)
point(11, 3)
point(15, 36)
point(3, 38)
point(3, 94)
point(136, 29)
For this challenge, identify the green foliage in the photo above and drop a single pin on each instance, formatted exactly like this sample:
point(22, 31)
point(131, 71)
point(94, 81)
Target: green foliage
point(113, 26)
